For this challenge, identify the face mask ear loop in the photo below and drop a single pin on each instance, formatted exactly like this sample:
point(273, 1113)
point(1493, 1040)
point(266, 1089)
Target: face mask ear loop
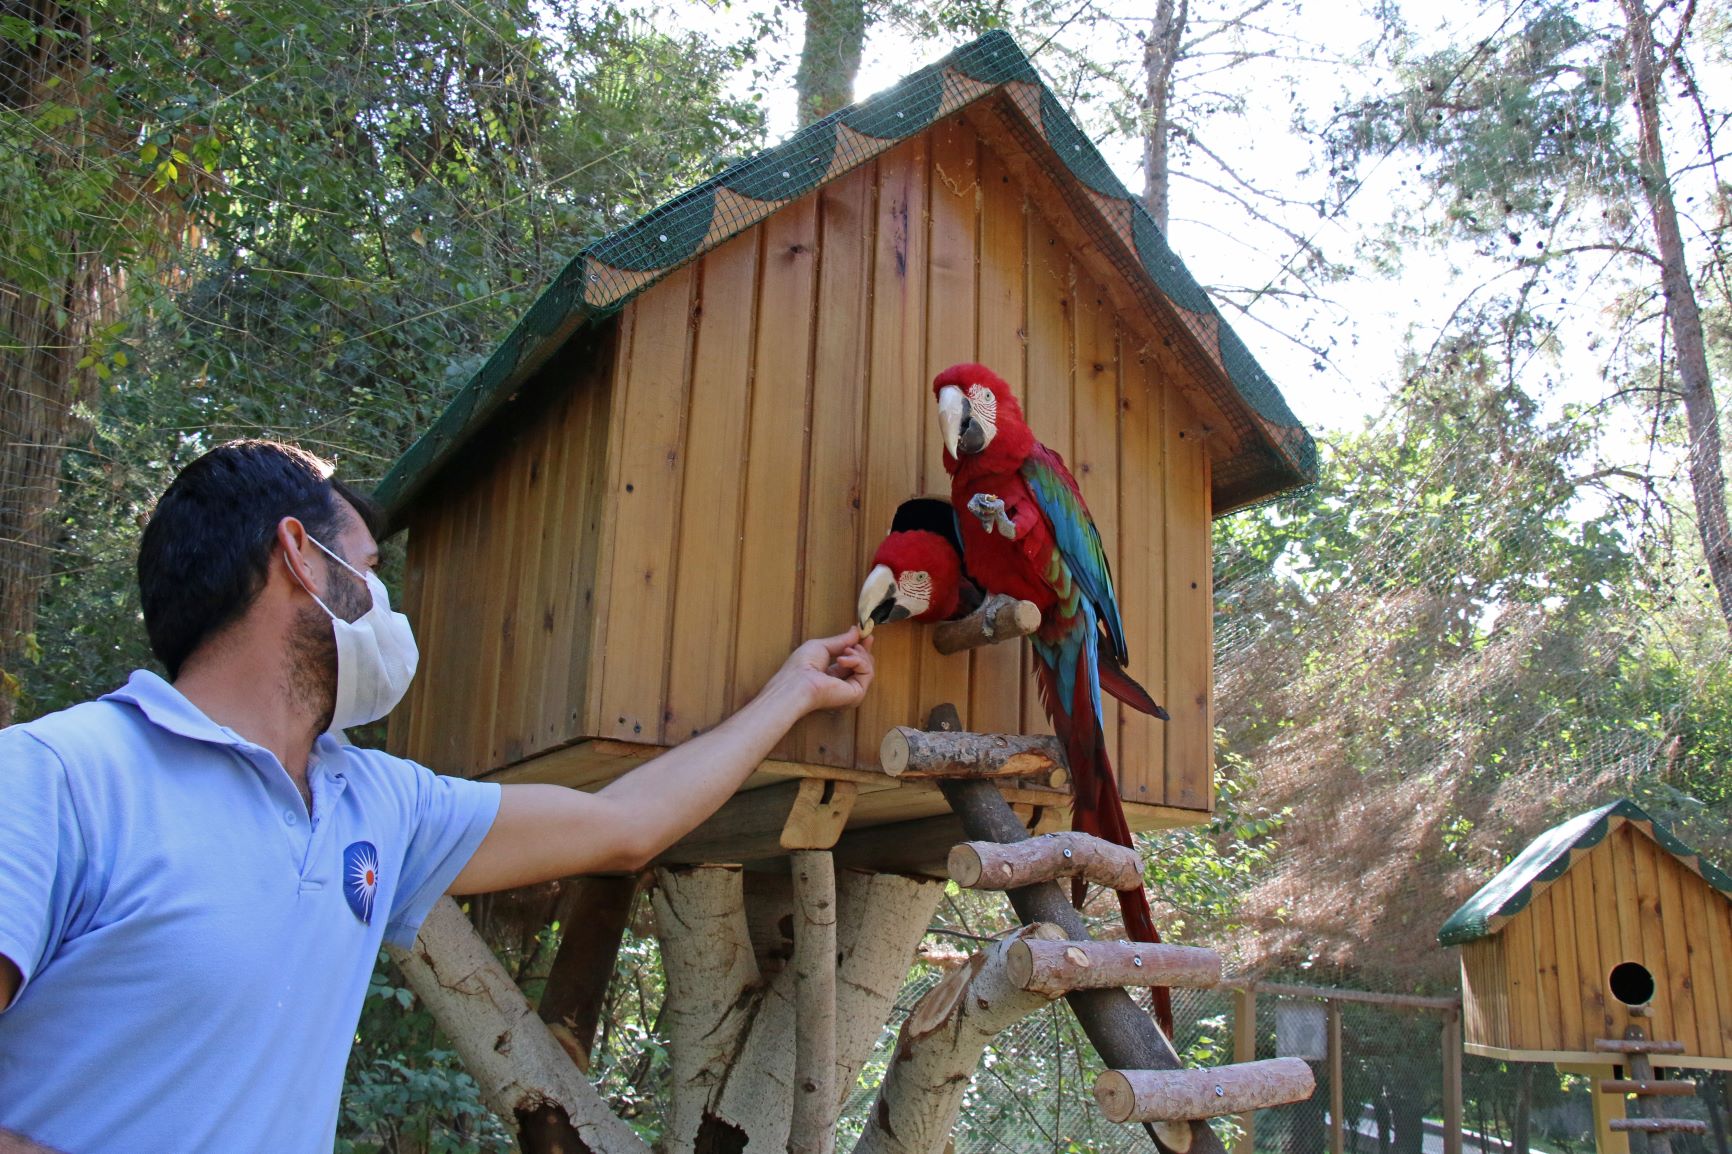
point(303, 584)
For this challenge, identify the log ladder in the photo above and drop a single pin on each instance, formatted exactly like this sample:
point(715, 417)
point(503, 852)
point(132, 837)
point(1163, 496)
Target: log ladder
point(1645, 1085)
point(1053, 955)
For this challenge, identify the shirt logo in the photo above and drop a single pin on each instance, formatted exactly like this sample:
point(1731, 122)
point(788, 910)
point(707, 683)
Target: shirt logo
point(361, 879)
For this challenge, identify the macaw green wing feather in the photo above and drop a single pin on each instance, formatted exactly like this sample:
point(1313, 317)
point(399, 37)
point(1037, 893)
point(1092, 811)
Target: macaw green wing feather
point(1055, 490)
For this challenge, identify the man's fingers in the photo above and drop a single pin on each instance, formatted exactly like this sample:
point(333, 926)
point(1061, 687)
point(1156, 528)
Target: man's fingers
point(841, 642)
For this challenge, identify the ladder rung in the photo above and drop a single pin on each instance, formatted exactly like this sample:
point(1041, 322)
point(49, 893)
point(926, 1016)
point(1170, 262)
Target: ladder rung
point(1659, 1125)
point(1637, 1046)
point(1187, 1095)
point(1672, 1088)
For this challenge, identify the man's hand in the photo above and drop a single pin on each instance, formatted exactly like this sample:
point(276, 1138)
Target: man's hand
point(831, 672)
point(544, 832)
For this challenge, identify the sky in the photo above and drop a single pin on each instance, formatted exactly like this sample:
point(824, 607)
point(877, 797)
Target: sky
point(1366, 320)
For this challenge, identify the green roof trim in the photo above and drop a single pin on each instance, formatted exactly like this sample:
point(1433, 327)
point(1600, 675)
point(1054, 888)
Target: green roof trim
point(1548, 857)
point(1279, 453)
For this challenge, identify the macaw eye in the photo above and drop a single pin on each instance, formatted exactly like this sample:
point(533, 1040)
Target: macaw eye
point(983, 407)
point(915, 584)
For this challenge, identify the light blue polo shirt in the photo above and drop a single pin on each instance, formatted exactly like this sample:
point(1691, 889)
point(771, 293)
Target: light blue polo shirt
point(195, 950)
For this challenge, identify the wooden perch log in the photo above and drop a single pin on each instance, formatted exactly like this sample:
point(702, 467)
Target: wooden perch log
point(1671, 1088)
point(1055, 968)
point(1658, 1126)
point(1122, 1033)
point(917, 754)
point(990, 865)
point(999, 618)
point(1184, 1095)
point(938, 1048)
point(522, 1071)
point(812, 1126)
point(1637, 1046)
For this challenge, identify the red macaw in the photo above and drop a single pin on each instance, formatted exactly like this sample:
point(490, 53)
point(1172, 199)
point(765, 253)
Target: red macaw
point(1027, 532)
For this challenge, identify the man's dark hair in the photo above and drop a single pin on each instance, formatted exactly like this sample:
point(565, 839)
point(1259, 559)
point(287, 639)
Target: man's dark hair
point(209, 543)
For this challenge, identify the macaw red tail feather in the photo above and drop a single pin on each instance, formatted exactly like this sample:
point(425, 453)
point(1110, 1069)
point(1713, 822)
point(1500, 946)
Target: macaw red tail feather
point(1096, 809)
point(1123, 686)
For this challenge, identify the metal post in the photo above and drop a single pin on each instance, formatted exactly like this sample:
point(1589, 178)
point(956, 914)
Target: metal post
point(1245, 1050)
point(1451, 1082)
point(1337, 1095)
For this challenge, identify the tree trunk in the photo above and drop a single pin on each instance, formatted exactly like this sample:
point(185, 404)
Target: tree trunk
point(1683, 316)
point(830, 57)
point(46, 319)
point(1160, 56)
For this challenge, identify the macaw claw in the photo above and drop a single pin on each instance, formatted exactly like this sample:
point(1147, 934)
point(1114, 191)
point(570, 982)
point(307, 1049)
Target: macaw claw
point(989, 510)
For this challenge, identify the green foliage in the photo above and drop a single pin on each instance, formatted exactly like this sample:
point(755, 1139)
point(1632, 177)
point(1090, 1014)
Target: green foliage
point(405, 1088)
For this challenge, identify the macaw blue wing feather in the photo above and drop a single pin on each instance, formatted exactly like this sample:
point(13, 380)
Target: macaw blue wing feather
point(1055, 490)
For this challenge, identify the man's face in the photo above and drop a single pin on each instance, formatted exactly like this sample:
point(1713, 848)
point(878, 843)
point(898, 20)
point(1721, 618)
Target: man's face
point(313, 645)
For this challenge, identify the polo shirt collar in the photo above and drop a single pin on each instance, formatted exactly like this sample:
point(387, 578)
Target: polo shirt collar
point(167, 708)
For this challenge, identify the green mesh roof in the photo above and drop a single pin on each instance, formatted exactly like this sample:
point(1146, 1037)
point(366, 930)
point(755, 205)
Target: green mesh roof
point(1549, 857)
point(1278, 454)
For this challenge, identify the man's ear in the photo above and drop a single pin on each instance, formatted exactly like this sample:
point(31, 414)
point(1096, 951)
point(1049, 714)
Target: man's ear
point(295, 546)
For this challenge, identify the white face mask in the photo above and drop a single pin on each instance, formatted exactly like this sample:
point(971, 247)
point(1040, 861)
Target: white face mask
point(376, 654)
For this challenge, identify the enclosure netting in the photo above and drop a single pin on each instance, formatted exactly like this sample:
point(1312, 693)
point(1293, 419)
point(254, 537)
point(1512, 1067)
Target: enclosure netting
point(346, 224)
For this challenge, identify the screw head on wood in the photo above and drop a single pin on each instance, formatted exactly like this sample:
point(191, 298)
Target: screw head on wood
point(1220, 1090)
point(1137, 960)
point(1067, 853)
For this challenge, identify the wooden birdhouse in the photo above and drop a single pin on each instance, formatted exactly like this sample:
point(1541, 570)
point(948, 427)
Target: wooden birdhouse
point(679, 463)
point(1606, 943)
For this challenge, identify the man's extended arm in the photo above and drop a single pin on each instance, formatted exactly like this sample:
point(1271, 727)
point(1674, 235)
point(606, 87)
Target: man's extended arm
point(547, 831)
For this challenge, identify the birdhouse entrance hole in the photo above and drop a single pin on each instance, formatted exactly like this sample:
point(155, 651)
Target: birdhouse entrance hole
point(1631, 983)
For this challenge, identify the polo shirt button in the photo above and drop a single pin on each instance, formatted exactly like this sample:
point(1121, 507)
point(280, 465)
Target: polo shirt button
point(289, 817)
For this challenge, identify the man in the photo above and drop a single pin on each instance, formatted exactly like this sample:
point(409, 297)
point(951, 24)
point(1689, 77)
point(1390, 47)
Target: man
point(196, 877)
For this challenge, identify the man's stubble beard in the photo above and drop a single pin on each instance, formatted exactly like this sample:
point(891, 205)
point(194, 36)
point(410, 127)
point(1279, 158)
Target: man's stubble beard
point(313, 646)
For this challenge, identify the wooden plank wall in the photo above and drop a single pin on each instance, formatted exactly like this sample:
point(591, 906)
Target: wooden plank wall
point(500, 580)
point(1629, 900)
point(770, 408)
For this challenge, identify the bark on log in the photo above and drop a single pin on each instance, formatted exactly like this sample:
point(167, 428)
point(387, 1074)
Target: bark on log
point(939, 1047)
point(505, 1047)
point(1058, 967)
point(1121, 1032)
point(710, 971)
point(914, 754)
point(999, 618)
point(812, 1127)
point(988, 865)
point(1183, 1095)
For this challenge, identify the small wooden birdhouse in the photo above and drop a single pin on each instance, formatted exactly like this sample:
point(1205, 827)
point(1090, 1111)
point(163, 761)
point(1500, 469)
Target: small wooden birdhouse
point(1606, 943)
point(680, 461)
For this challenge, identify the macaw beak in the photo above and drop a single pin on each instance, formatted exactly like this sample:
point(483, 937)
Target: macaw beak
point(878, 604)
point(952, 415)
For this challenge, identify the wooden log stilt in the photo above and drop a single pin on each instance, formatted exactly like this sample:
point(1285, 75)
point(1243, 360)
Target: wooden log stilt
point(521, 1070)
point(1056, 968)
point(812, 1126)
point(594, 920)
point(987, 865)
point(1122, 1033)
point(710, 970)
point(1175, 1095)
point(998, 618)
point(880, 921)
point(939, 1047)
point(915, 754)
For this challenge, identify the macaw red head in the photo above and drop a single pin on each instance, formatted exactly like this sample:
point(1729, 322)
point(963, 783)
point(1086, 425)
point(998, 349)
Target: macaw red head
point(916, 574)
point(980, 417)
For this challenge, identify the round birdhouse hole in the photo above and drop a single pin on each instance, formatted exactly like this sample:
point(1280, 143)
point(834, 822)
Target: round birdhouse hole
point(1631, 983)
